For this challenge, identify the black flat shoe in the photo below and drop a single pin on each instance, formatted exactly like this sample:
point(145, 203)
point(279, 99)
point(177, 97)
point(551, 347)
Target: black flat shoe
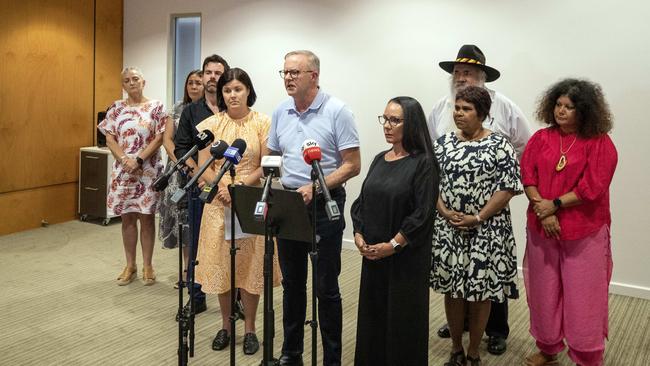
point(456, 359)
point(497, 345)
point(221, 340)
point(443, 332)
point(251, 344)
point(286, 360)
point(473, 361)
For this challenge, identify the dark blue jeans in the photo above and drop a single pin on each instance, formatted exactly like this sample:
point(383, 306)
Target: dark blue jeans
point(194, 213)
point(293, 257)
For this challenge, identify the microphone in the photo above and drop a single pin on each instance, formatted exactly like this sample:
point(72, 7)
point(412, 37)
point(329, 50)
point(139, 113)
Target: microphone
point(233, 155)
point(202, 140)
point(217, 151)
point(272, 168)
point(312, 155)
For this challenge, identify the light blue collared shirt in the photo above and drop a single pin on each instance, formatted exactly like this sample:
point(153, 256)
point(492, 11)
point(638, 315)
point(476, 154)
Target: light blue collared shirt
point(327, 120)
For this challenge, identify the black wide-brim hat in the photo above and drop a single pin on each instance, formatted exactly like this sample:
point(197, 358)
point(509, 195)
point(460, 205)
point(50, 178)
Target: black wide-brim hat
point(469, 54)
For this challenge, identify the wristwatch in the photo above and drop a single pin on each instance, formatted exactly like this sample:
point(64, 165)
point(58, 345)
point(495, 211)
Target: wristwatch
point(557, 202)
point(139, 160)
point(396, 246)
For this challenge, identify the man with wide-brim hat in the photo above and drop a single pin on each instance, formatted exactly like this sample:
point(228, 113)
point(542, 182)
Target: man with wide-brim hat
point(469, 68)
point(471, 55)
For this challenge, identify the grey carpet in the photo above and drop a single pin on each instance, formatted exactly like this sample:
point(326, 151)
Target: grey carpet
point(60, 305)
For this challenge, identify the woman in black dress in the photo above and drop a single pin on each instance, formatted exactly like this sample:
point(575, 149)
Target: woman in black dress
point(393, 224)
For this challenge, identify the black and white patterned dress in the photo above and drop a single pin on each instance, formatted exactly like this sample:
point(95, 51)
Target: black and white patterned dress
point(171, 213)
point(478, 264)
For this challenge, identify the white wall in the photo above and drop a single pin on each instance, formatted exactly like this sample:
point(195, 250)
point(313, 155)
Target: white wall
point(373, 50)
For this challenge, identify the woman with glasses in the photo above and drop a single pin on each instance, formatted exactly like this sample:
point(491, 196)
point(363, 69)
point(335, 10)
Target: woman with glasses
point(474, 256)
point(393, 223)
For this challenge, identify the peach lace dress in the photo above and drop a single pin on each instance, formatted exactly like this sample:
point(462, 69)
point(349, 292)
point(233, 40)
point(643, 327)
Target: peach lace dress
point(213, 271)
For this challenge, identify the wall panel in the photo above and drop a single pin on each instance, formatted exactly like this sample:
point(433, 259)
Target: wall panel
point(108, 53)
point(47, 66)
point(26, 209)
point(47, 109)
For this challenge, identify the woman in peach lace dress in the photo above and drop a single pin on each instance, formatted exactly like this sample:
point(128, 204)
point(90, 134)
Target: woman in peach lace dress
point(235, 95)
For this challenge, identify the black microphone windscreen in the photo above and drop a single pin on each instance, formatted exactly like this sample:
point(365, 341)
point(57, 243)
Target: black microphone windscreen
point(218, 148)
point(240, 145)
point(161, 183)
point(204, 138)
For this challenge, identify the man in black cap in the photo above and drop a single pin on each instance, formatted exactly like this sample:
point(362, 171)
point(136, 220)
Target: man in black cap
point(506, 118)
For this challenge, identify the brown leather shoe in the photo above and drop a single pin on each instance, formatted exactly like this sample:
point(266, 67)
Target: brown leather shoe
point(127, 275)
point(541, 359)
point(148, 276)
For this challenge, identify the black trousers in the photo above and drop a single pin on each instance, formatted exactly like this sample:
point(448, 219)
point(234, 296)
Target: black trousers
point(293, 258)
point(497, 325)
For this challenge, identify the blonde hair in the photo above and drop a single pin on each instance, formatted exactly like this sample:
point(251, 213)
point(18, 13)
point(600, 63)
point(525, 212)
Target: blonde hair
point(314, 62)
point(135, 70)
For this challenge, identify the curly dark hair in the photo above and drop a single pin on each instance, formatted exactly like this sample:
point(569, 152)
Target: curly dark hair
point(479, 97)
point(592, 111)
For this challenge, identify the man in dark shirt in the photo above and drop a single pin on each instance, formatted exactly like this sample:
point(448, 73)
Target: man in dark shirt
point(213, 67)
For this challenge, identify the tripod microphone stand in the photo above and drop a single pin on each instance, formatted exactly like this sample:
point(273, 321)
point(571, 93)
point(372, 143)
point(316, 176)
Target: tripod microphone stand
point(313, 257)
point(185, 315)
point(234, 316)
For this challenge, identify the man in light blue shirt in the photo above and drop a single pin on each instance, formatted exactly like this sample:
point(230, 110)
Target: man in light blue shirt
point(311, 114)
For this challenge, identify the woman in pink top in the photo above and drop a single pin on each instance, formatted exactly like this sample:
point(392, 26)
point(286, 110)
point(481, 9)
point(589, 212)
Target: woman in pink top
point(566, 170)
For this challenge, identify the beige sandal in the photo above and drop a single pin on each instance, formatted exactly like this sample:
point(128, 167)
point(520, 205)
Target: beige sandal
point(127, 275)
point(540, 359)
point(148, 276)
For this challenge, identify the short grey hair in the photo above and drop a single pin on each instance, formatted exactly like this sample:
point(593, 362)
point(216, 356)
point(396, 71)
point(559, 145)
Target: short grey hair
point(133, 69)
point(314, 62)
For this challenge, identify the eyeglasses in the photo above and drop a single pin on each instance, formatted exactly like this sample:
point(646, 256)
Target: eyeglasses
point(392, 121)
point(292, 73)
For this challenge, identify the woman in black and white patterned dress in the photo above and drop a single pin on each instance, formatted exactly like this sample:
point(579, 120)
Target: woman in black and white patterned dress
point(474, 255)
point(170, 213)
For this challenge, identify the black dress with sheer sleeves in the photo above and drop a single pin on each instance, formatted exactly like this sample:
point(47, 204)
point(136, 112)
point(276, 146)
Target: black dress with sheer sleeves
point(393, 318)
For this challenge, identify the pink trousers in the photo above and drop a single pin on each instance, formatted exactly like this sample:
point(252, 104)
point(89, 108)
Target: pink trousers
point(567, 289)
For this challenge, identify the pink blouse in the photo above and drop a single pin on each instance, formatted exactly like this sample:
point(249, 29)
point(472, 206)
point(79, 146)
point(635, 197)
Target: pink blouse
point(591, 163)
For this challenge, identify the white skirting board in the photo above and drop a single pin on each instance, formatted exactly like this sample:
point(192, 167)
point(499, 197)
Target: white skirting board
point(614, 287)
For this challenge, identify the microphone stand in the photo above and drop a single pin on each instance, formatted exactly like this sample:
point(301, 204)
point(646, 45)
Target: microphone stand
point(313, 256)
point(234, 316)
point(269, 313)
point(185, 316)
point(182, 318)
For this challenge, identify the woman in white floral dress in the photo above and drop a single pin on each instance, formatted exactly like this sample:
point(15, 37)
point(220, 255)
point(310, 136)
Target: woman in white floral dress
point(133, 129)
